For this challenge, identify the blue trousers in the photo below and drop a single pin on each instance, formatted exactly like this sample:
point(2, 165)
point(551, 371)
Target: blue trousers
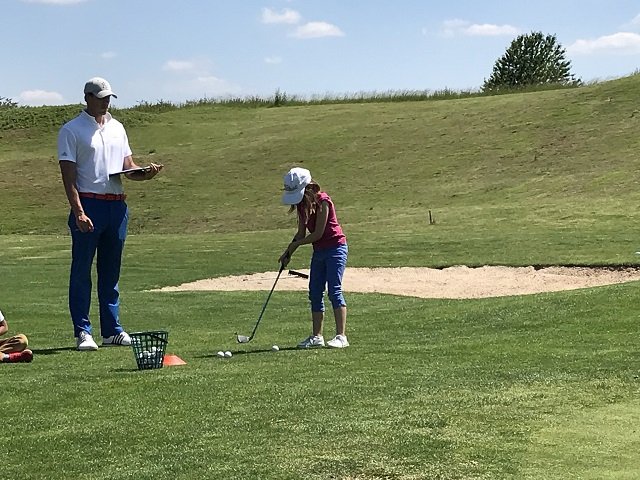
point(327, 268)
point(110, 219)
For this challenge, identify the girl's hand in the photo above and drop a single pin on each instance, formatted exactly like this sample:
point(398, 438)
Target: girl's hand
point(285, 258)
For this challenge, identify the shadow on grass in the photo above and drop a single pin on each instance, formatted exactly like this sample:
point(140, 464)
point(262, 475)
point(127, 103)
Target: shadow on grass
point(252, 352)
point(211, 355)
point(136, 370)
point(52, 351)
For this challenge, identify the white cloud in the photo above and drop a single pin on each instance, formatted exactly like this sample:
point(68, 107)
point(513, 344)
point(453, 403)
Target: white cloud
point(200, 87)
point(215, 85)
point(273, 60)
point(40, 97)
point(194, 79)
point(55, 2)
point(197, 66)
point(456, 27)
point(317, 30)
point(308, 30)
point(179, 66)
point(452, 27)
point(108, 55)
point(286, 16)
point(488, 30)
point(632, 25)
point(623, 43)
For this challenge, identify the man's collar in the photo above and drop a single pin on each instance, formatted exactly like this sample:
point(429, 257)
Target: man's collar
point(107, 117)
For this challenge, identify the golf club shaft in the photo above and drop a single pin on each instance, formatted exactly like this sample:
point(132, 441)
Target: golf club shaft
point(266, 302)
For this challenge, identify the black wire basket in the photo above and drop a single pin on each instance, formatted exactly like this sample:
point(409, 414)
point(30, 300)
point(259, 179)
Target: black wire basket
point(149, 348)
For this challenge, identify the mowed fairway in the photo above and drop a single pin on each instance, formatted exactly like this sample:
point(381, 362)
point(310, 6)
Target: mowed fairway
point(528, 387)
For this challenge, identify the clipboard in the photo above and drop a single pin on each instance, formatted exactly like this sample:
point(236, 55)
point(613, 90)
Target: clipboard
point(131, 170)
point(135, 170)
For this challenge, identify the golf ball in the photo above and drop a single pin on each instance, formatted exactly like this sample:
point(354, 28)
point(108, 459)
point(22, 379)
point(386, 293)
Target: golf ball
point(275, 348)
point(220, 353)
point(227, 354)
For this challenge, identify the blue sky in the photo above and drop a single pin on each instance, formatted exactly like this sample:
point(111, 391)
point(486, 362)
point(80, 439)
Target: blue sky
point(179, 50)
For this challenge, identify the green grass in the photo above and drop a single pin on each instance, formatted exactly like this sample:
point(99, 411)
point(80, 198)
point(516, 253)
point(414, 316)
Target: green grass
point(527, 387)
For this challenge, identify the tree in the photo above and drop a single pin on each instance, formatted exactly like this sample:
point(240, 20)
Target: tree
point(531, 59)
point(7, 103)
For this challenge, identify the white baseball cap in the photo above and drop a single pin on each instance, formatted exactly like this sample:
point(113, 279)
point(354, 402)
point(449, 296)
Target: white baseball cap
point(295, 181)
point(98, 87)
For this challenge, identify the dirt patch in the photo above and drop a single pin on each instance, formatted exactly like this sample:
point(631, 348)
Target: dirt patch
point(452, 282)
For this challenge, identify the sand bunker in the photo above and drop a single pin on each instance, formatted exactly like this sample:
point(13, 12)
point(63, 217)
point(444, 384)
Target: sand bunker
point(452, 282)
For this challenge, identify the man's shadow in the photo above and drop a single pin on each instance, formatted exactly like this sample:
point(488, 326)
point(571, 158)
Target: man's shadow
point(52, 351)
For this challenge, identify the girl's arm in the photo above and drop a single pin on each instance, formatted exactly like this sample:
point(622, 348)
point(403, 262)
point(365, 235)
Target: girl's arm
point(321, 224)
point(300, 239)
point(302, 230)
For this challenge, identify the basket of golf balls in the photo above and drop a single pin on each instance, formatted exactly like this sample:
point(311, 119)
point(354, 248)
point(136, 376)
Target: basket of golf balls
point(149, 348)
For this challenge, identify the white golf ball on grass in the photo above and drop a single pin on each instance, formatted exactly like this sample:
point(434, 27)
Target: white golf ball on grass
point(220, 353)
point(228, 354)
point(275, 348)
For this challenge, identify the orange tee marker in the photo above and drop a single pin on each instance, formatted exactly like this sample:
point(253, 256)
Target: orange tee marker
point(171, 360)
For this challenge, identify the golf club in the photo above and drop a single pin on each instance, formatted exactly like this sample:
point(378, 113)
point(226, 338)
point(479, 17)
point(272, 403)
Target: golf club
point(244, 338)
point(298, 274)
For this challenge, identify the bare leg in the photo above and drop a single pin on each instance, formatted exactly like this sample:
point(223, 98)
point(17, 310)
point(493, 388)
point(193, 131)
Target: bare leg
point(317, 319)
point(341, 319)
point(16, 343)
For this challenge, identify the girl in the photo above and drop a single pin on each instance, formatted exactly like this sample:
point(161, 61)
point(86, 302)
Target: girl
point(13, 349)
point(316, 213)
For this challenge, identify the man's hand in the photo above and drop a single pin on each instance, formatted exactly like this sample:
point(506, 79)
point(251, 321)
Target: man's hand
point(84, 223)
point(148, 173)
point(152, 170)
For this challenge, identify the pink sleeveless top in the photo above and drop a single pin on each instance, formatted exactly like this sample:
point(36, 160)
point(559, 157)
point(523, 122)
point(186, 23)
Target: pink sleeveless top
point(333, 235)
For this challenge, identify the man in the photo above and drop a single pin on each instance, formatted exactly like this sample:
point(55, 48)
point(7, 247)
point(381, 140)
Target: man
point(13, 349)
point(92, 149)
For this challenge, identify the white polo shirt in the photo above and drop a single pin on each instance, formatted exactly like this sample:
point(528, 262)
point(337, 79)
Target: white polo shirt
point(97, 151)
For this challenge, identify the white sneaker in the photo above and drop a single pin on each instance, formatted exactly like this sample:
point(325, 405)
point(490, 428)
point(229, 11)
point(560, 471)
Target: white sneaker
point(339, 341)
point(121, 338)
point(312, 341)
point(85, 342)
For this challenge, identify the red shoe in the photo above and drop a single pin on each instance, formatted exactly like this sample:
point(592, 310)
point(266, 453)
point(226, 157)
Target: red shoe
point(24, 356)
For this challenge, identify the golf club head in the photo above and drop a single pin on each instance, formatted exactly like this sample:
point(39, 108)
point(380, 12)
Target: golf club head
point(298, 274)
point(242, 338)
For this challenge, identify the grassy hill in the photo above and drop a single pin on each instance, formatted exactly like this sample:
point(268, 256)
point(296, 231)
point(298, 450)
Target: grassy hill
point(555, 163)
point(524, 387)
